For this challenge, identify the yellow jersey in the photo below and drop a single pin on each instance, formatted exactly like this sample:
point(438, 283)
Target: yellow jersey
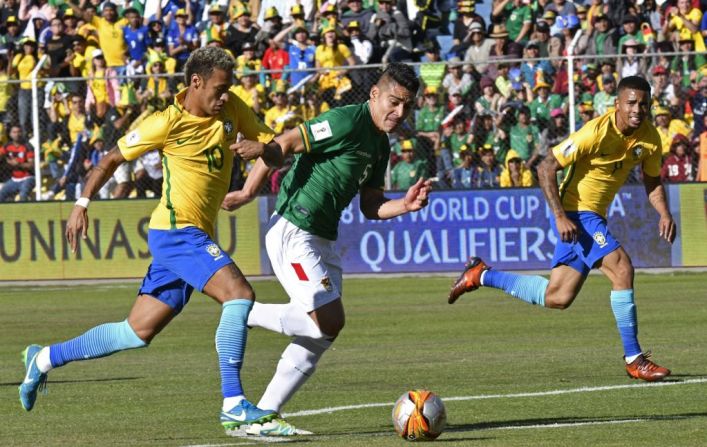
point(24, 64)
point(600, 158)
point(196, 159)
point(279, 119)
point(110, 37)
point(76, 124)
point(247, 95)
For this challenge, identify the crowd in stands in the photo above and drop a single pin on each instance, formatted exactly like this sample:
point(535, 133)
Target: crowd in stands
point(495, 96)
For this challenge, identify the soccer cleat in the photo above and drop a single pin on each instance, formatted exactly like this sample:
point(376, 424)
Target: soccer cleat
point(34, 380)
point(276, 427)
point(644, 369)
point(245, 413)
point(470, 280)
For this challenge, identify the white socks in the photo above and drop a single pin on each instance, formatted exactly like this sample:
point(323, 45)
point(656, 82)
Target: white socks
point(288, 319)
point(43, 362)
point(631, 358)
point(230, 402)
point(298, 362)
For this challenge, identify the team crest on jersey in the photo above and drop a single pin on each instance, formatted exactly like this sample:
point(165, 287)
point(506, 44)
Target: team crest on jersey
point(321, 131)
point(326, 283)
point(132, 138)
point(600, 239)
point(637, 152)
point(214, 251)
point(228, 127)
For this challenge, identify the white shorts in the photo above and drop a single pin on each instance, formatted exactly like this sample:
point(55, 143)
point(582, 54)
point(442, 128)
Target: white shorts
point(306, 265)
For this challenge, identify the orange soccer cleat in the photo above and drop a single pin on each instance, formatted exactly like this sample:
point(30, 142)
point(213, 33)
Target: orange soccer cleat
point(644, 369)
point(469, 280)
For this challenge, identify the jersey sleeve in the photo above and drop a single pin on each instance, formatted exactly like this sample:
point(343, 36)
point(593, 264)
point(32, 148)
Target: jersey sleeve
point(324, 133)
point(249, 124)
point(653, 163)
point(578, 145)
point(150, 134)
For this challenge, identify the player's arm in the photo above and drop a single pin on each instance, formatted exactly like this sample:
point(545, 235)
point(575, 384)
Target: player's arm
point(376, 206)
point(656, 196)
point(78, 220)
point(287, 143)
point(547, 177)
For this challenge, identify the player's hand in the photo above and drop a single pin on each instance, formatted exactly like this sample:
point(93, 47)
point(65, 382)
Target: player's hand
point(567, 229)
point(235, 200)
point(248, 150)
point(77, 225)
point(417, 196)
point(667, 229)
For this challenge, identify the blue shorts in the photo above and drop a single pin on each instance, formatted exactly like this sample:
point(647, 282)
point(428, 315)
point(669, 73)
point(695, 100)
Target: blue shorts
point(182, 260)
point(594, 241)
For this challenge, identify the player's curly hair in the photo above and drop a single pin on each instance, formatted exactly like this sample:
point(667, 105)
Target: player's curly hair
point(203, 61)
point(635, 83)
point(403, 75)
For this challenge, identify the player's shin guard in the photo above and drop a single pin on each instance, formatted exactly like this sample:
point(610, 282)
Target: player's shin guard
point(100, 341)
point(530, 289)
point(231, 336)
point(625, 313)
point(297, 364)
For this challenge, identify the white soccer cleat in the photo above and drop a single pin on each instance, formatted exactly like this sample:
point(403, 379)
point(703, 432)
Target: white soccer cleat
point(276, 427)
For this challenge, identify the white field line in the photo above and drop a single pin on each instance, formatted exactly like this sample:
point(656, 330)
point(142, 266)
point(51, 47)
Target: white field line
point(502, 396)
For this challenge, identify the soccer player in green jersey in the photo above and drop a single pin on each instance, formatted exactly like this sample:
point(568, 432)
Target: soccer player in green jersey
point(339, 154)
point(193, 135)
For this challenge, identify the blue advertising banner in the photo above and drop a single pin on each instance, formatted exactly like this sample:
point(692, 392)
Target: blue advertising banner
point(509, 228)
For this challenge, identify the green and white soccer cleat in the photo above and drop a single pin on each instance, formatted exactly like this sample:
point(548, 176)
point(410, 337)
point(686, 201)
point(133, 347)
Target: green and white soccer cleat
point(276, 427)
point(34, 380)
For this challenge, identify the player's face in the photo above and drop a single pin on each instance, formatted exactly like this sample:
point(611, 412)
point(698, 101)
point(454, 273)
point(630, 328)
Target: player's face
point(214, 91)
point(390, 105)
point(632, 107)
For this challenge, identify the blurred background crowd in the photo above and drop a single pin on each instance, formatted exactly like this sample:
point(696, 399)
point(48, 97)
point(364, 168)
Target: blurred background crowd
point(495, 76)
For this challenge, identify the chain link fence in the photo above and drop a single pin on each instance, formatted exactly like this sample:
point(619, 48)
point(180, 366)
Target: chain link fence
point(466, 130)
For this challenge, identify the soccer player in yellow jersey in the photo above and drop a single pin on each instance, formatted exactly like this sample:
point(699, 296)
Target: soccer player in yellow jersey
point(599, 158)
point(194, 136)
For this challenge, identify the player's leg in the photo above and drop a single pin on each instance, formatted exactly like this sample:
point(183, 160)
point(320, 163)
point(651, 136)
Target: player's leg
point(617, 266)
point(147, 318)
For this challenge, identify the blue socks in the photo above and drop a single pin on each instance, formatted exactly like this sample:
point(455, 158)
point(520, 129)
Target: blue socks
point(100, 341)
point(625, 314)
point(530, 289)
point(231, 338)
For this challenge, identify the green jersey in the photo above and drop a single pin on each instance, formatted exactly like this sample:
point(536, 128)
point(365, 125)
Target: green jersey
point(344, 151)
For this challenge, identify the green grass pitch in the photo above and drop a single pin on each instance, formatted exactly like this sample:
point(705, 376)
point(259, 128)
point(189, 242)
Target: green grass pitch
point(512, 374)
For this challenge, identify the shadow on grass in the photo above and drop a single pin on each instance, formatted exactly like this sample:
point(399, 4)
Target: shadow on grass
point(52, 382)
point(521, 423)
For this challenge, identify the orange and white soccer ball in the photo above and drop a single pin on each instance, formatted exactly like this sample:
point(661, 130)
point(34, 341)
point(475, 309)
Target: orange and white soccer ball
point(419, 415)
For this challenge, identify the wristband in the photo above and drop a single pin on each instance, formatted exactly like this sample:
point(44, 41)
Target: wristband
point(83, 202)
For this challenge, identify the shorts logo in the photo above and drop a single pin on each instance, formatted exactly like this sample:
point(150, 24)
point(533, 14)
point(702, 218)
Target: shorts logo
point(321, 131)
point(133, 138)
point(600, 239)
point(326, 283)
point(214, 251)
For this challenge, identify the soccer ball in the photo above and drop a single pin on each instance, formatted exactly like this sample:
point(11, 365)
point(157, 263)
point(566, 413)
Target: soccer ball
point(419, 415)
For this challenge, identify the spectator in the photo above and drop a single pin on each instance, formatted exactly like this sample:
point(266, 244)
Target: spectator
point(136, 40)
point(488, 173)
point(391, 30)
point(314, 105)
point(248, 61)
point(586, 114)
point(543, 103)
point(19, 156)
point(76, 122)
point(243, 31)
point(524, 137)
point(466, 19)
point(601, 40)
point(663, 92)
point(331, 54)
point(250, 91)
point(561, 8)
point(542, 37)
point(555, 133)
point(22, 66)
point(362, 46)
point(516, 175)
point(300, 53)
point(57, 46)
point(148, 174)
point(182, 38)
point(678, 166)
point(217, 27)
point(686, 21)
point(70, 22)
point(431, 71)
point(71, 174)
point(686, 64)
point(490, 100)
point(532, 69)
point(429, 120)
point(111, 36)
point(698, 102)
point(604, 100)
point(408, 170)
point(631, 32)
point(156, 89)
point(670, 127)
point(281, 116)
point(456, 80)
point(98, 96)
point(479, 50)
point(357, 13)
point(517, 16)
point(462, 175)
point(275, 59)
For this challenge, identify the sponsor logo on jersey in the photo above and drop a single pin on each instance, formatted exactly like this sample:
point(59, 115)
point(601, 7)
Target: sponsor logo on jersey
point(326, 283)
point(214, 251)
point(600, 239)
point(133, 138)
point(321, 131)
point(228, 127)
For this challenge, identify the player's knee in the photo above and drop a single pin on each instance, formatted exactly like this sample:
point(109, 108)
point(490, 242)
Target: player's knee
point(239, 289)
point(558, 299)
